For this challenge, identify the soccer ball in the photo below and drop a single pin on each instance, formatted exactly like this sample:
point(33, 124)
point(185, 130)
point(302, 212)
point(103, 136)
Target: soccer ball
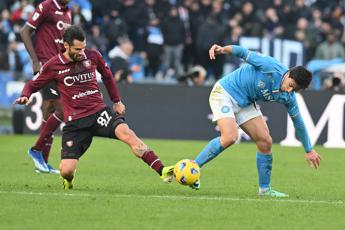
point(186, 172)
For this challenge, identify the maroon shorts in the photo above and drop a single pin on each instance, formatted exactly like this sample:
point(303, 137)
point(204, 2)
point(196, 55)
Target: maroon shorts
point(77, 135)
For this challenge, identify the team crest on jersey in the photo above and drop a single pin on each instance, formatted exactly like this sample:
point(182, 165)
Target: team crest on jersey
point(225, 109)
point(87, 64)
point(261, 84)
point(69, 143)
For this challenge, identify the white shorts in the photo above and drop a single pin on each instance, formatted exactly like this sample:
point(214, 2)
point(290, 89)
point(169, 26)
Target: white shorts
point(223, 105)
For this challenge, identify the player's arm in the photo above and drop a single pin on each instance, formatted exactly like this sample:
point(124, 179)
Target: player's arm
point(25, 33)
point(38, 82)
point(37, 18)
point(312, 157)
point(262, 62)
point(110, 85)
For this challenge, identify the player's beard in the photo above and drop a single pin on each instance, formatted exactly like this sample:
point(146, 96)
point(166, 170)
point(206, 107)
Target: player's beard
point(75, 57)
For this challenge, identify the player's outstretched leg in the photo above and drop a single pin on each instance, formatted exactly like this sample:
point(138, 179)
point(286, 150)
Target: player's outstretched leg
point(211, 150)
point(141, 150)
point(264, 167)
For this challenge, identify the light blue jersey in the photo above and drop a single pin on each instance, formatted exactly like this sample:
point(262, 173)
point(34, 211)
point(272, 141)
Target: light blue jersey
point(260, 79)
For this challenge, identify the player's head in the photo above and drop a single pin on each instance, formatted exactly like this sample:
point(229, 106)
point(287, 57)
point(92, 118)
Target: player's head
point(298, 78)
point(74, 42)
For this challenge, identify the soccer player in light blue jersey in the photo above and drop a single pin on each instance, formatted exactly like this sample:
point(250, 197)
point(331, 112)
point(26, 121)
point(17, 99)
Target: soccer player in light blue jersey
point(232, 102)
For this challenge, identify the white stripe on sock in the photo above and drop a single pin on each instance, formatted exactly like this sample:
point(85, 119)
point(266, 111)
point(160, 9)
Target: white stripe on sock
point(154, 162)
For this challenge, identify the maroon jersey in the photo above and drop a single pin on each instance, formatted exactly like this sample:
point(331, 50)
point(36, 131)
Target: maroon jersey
point(77, 83)
point(49, 20)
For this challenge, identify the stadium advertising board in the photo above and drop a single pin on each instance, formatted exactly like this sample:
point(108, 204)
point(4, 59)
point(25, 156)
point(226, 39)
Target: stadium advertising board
point(181, 112)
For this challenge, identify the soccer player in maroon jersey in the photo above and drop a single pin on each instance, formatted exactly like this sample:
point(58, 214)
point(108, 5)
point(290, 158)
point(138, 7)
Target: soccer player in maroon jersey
point(49, 21)
point(85, 112)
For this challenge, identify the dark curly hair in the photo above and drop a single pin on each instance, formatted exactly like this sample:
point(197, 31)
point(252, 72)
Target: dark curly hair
point(72, 33)
point(301, 75)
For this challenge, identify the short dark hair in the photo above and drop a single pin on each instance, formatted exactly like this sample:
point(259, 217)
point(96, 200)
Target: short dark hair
point(301, 75)
point(72, 33)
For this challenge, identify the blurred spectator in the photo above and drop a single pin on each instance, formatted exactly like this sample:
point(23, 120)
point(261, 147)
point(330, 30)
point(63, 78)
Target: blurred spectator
point(195, 77)
point(250, 23)
point(21, 11)
point(299, 10)
point(132, 12)
point(174, 38)
point(335, 82)
point(85, 8)
point(210, 33)
point(306, 34)
point(77, 17)
point(120, 65)
point(153, 47)
point(15, 59)
point(272, 25)
point(114, 28)
point(330, 49)
point(97, 40)
point(5, 28)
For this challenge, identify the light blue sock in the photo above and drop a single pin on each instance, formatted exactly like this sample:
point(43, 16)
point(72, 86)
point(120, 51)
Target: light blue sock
point(264, 166)
point(211, 150)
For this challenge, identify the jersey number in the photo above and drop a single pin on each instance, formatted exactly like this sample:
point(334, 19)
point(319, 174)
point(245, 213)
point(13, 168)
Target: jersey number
point(104, 119)
point(31, 123)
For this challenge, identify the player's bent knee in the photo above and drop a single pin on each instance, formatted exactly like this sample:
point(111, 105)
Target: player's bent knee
point(66, 171)
point(265, 144)
point(228, 140)
point(68, 167)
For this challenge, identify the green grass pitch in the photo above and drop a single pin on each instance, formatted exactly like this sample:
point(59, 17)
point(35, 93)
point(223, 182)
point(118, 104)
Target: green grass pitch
point(115, 190)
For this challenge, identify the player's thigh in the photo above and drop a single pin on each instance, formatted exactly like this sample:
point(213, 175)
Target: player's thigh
point(229, 131)
point(221, 103)
point(258, 130)
point(47, 108)
point(50, 95)
point(76, 138)
point(58, 108)
point(106, 122)
point(128, 136)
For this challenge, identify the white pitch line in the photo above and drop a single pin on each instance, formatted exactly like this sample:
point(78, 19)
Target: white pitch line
point(172, 197)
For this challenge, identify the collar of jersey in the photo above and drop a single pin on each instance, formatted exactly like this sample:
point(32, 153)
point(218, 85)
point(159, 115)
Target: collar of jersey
point(278, 84)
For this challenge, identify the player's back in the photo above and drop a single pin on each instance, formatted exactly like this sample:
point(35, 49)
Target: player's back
point(256, 80)
point(49, 21)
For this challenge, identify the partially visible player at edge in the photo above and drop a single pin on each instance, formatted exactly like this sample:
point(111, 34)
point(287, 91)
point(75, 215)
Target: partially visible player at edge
point(85, 113)
point(49, 21)
point(232, 101)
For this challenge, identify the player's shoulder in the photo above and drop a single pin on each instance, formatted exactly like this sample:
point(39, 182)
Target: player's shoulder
point(92, 53)
point(55, 60)
point(46, 5)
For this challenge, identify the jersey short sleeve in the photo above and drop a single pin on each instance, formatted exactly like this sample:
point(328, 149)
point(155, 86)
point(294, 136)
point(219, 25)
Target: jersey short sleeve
point(39, 15)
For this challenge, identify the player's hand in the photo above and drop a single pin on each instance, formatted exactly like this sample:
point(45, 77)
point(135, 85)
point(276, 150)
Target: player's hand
point(36, 67)
point(215, 50)
point(313, 159)
point(119, 108)
point(22, 101)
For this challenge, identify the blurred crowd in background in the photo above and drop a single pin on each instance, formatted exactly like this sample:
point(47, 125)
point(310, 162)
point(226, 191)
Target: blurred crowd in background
point(167, 41)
